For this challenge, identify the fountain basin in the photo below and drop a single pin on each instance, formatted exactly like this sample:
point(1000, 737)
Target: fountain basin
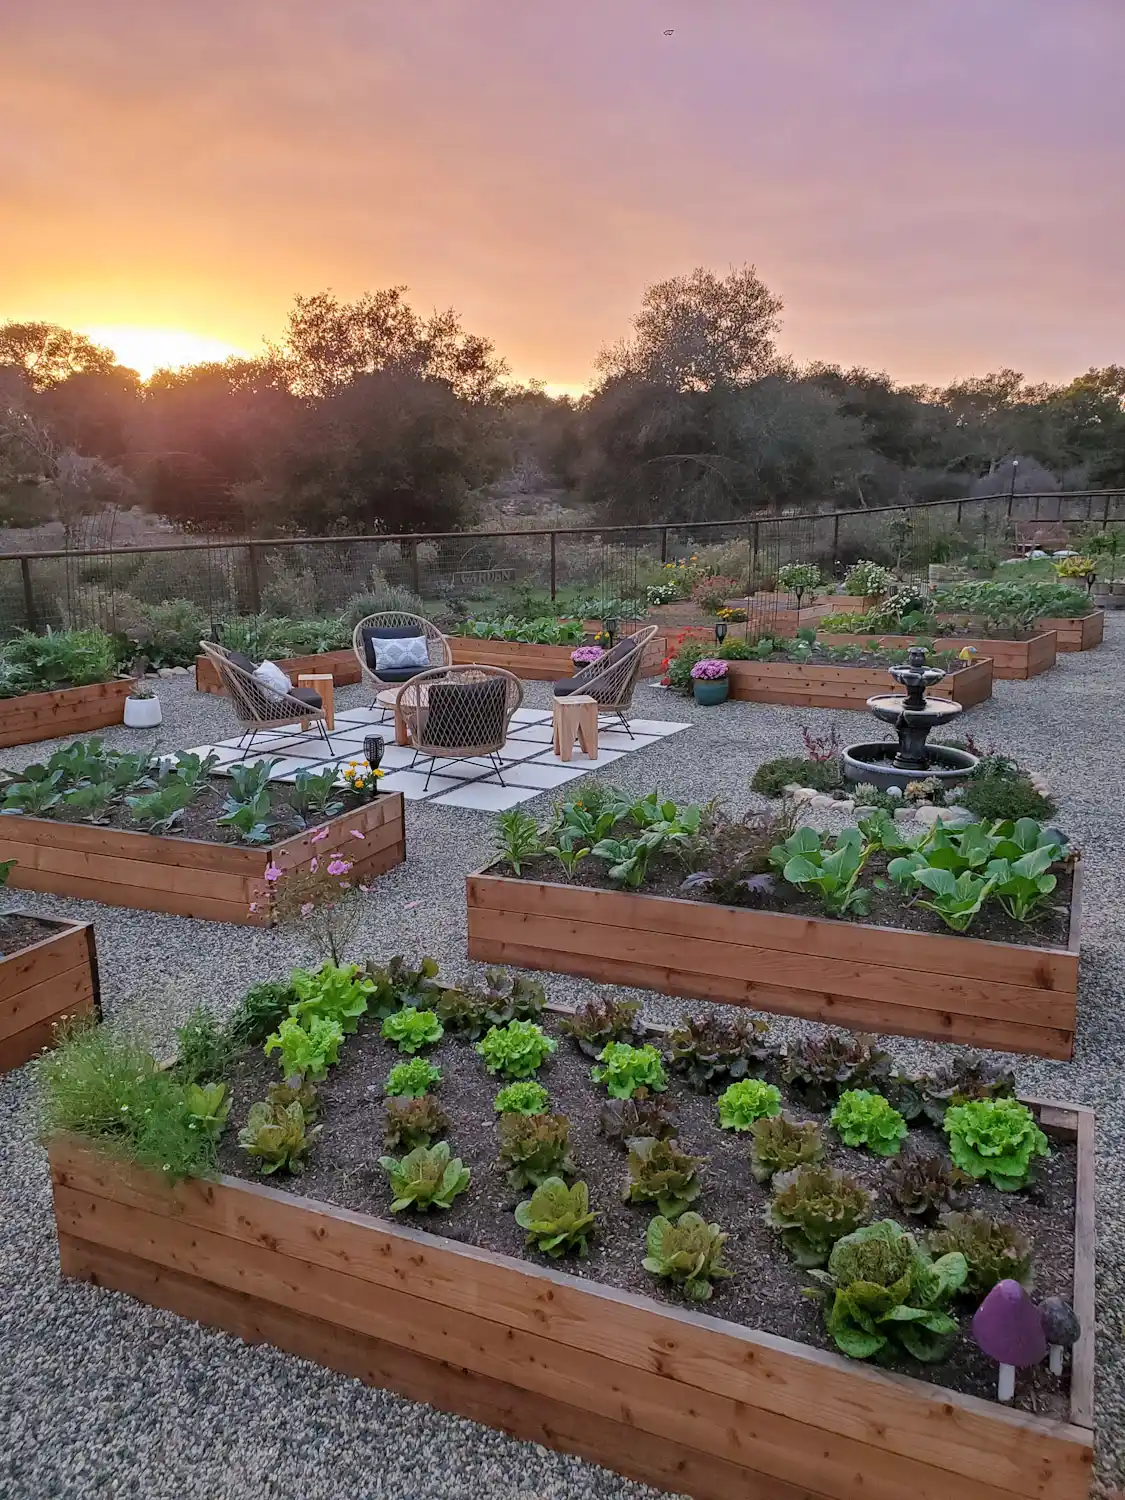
point(875, 763)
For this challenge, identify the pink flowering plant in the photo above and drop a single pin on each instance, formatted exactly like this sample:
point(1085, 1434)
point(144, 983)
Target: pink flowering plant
point(585, 656)
point(321, 898)
point(710, 669)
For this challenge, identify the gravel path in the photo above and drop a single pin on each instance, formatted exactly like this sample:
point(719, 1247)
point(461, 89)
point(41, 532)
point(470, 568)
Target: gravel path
point(102, 1397)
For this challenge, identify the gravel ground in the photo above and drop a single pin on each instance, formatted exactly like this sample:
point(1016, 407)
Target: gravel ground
point(100, 1396)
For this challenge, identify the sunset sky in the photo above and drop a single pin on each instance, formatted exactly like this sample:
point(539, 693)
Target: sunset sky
point(933, 186)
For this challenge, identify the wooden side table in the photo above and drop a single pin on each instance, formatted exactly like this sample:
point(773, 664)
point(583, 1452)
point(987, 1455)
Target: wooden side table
point(324, 684)
point(388, 702)
point(575, 717)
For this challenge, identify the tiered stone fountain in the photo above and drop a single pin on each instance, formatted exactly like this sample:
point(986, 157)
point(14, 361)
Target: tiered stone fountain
point(890, 763)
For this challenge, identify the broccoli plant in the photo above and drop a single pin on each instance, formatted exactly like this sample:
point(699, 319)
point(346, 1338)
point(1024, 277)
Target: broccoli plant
point(413, 1122)
point(277, 1136)
point(813, 1207)
point(557, 1218)
point(524, 1098)
point(862, 1118)
point(517, 1050)
point(743, 1103)
point(781, 1144)
point(625, 1069)
point(425, 1178)
point(412, 1079)
point(412, 1029)
point(534, 1148)
point(306, 1052)
point(623, 1120)
point(994, 1250)
point(687, 1251)
point(660, 1173)
point(997, 1139)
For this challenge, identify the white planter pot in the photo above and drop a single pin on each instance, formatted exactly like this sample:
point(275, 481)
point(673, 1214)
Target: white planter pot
point(142, 713)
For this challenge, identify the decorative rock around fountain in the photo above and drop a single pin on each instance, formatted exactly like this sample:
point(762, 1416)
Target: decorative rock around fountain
point(885, 763)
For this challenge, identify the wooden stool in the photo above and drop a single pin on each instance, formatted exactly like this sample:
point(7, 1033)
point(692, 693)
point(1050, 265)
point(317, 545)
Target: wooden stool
point(388, 702)
point(324, 684)
point(575, 717)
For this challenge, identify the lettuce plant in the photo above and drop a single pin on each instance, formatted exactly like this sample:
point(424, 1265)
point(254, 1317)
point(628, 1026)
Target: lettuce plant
point(994, 1250)
point(425, 1178)
point(411, 1029)
point(819, 1069)
point(603, 1020)
point(306, 1052)
point(557, 1218)
point(208, 1106)
point(517, 1050)
point(781, 1144)
point(300, 1091)
point(505, 998)
point(534, 1148)
point(966, 1077)
point(623, 1120)
point(625, 1069)
point(336, 992)
point(463, 1012)
point(412, 1079)
point(813, 1207)
point(396, 984)
point(687, 1251)
point(277, 1136)
point(714, 1050)
point(743, 1103)
point(884, 1288)
point(862, 1118)
point(413, 1122)
point(660, 1173)
point(525, 1098)
point(995, 1138)
point(924, 1185)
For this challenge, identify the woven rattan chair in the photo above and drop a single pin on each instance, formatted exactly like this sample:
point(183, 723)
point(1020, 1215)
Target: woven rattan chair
point(258, 708)
point(612, 679)
point(456, 713)
point(398, 624)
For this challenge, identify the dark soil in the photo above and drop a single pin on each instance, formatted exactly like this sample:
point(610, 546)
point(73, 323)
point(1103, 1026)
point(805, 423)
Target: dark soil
point(1049, 929)
point(765, 1290)
point(199, 818)
point(18, 932)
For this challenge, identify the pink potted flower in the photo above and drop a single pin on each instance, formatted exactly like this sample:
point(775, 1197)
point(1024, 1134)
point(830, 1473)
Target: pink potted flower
point(709, 681)
point(586, 656)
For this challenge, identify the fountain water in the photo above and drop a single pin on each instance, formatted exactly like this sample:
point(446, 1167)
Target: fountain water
point(888, 763)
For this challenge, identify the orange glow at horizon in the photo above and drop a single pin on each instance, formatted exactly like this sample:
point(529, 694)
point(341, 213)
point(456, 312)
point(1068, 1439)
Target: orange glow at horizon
point(149, 349)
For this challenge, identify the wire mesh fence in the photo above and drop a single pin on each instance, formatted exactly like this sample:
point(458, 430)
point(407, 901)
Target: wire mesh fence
point(590, 573)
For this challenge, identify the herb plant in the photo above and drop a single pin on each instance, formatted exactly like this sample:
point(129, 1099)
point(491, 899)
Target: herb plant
point(425, 1178)
point(743, 1103)
point(813, 1207)
point(781, 1144)
point(660, 1173)
point(625, 1069)
point(525, 1098)
point(862, 1118)
point(687, 1251)
point(994, 1250)
point(557, 1218)
point(534, 1148)
point(997, 1139)
point(413, 1122)
point(203, 1048)
point(412, 1029)
point(278, 1137)
point(306, 1052)
point(517, 1050)
point(412, 1079)
point(262, 1009)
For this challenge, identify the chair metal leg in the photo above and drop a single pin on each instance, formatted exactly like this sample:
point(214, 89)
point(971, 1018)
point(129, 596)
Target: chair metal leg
point(324, 732)
point(249, 743)
point(499, 764)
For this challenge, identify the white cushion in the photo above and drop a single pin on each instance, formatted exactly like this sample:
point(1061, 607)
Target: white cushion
point(406, 651)
point(272, 679)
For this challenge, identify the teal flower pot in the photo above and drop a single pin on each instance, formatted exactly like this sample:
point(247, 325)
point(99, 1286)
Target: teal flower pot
point(715, 691)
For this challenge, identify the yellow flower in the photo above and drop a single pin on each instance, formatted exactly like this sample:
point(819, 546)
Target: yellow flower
point(378, 773)
point(358, 781)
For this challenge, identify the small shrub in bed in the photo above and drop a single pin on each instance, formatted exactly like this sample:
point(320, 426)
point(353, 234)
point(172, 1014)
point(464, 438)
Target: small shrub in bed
point(999, 790)
point(773, 776)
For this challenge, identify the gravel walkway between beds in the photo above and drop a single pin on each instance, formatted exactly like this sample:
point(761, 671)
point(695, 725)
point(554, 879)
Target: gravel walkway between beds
point(102, 1397)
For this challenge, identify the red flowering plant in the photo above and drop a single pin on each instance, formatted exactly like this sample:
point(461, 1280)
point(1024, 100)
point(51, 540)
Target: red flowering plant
point(320, 897)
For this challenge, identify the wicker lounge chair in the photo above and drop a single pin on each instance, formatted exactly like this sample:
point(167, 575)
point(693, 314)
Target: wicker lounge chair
point(396, 624)
point(612, 679)
point(259, 708)
point(456, 713)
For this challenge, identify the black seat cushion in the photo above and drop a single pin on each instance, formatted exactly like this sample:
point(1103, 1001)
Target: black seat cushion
point(372, 633)
point(577, 683)
point(242, 661)
point(567, 686)
point(307, 695)
point(401, 674)
point(466, 713)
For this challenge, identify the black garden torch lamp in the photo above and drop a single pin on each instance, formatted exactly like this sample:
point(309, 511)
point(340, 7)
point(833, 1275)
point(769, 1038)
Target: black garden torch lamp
point(373, 747)
point(611, 623)
point(720, 631)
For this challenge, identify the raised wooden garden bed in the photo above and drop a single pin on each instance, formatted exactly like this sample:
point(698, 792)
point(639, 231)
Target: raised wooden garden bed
point(820, 685)
point(39, 984)
point(535, 663)
point(1078, 633)
point(342, 664)
point(188, 877)
point(67, 711)
point(679, 1399)
point(1011, 660)
point(944, 987)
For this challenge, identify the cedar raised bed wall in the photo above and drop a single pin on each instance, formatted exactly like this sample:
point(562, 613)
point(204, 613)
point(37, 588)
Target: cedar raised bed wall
point(1082, 633)
point(535, 663)
point(944, 988)
point(55, 977)
point(69, 711)
point(342, 664)
point(1011, 660)
point(816, 685)
point(188, 877)
point(677, 1398)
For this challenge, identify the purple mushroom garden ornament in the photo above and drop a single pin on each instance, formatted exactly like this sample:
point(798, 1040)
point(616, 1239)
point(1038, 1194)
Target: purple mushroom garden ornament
point(1008, 1328)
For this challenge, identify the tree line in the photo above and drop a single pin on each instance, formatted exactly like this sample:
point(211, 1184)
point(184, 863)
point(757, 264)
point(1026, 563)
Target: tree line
point(367, 416)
